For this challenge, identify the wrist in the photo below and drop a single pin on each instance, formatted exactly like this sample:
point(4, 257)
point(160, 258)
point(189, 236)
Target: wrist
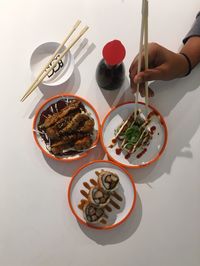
point(188, 63)
point(185, 66)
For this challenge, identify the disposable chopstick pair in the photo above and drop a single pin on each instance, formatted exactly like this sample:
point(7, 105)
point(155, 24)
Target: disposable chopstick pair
point(52, 57)
point(47, 68)
point(143, 37)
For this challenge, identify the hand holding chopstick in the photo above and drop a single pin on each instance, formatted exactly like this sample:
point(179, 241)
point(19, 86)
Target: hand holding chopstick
point(44, 72)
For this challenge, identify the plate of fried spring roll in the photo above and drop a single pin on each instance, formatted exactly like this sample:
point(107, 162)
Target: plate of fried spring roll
point(66, 127)
point(101, 194)
point(134, 141)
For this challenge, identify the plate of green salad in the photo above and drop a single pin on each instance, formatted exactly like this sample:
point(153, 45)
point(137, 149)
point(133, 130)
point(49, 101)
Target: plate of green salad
point(134, 138)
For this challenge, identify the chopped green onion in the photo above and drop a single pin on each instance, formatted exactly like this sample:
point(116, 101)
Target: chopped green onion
point(132, 134)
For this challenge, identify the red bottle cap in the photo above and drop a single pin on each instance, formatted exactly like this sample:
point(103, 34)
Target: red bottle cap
point(114, 52)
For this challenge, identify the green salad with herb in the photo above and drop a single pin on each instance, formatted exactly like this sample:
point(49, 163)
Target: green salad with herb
point(133, 133)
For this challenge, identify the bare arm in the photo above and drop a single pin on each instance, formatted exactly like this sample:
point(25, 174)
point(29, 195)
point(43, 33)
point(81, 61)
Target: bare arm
point(192, 50)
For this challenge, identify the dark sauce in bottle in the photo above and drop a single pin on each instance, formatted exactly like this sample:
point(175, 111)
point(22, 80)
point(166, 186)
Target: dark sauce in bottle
point(110, 77)
point(110, 71)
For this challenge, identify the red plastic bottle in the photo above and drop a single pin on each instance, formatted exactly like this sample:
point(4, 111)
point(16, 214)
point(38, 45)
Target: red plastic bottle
point(110, 71)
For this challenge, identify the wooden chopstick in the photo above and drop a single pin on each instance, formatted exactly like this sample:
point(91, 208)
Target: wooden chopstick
point(146, 54)
point(55, 62)
point(55, 53)
point(52, 57)
point(143, 36)
point(139, 57)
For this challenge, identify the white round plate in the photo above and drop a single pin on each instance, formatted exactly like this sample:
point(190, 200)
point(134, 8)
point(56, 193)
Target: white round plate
point(126, 190)
point(39, 140)
point(156, 147)
point(62, 71)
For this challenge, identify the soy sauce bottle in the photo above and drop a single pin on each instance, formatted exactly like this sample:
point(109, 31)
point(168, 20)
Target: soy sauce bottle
point(110, 71)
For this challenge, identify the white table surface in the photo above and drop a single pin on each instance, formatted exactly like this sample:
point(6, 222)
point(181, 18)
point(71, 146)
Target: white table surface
point(36, 225)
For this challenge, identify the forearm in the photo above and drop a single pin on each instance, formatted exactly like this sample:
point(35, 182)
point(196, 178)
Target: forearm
point(192, 50)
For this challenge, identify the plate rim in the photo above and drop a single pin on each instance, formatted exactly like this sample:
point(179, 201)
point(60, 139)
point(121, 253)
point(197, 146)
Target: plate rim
point(106, 227)
point(82, 155)
point(138, 165)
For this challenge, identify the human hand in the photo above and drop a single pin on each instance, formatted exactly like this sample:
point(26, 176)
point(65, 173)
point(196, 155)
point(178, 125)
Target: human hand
point(163, 65)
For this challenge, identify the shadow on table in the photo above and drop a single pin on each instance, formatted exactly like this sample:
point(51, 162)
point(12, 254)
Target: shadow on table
point(83, 51)
point(169, 93)
point(121, 232)
point(115, 97)
point(70, 86)
point(68, 169)
point(182, 126)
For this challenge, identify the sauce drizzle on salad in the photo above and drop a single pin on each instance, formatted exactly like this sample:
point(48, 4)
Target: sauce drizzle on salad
point(118, 151)
point(152, 129)
point(141, 153)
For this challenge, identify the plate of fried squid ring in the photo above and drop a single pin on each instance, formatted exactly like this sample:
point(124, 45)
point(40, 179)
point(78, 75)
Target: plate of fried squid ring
point(66, 127)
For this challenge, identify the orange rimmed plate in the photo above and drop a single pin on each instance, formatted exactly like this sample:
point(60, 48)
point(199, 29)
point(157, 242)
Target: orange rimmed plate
point(126, 190)
point(141, 157)
point(51, 102)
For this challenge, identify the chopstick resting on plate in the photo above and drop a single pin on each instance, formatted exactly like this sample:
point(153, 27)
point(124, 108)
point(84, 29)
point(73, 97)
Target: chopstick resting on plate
point(47, 68)
point(143, 37)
